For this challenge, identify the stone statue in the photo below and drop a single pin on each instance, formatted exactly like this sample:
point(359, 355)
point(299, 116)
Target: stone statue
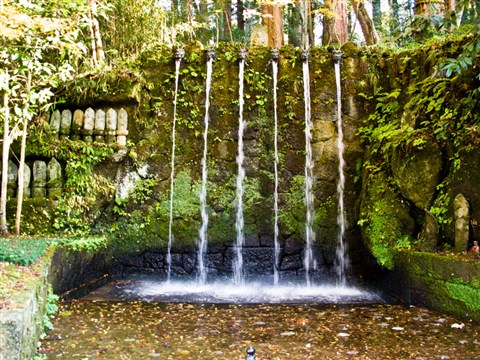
point(99, 130)
point(54, 179)
point(88, 125)
point(77, 124)
point(461, 213)
point(65, 123)
point(111, 126)
point(39, 179)
point(55, 121)
point(122, 126)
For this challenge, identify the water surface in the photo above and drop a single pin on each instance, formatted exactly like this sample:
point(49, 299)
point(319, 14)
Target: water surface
point(86, 329)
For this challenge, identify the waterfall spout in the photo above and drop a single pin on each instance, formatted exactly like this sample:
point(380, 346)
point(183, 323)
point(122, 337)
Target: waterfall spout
point(275, 57)
point(308, 260)
point(305, 55)
point(337, 56)
point(239, 221)
point(179, 55)
point(211, 54)
point(342, 258)
point(202, 233)
point(275, 53)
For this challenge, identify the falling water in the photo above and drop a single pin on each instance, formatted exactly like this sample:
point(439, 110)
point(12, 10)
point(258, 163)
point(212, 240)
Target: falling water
point(239, 222)
point(275, 56)
point(310, 211)
point(202, 233)
point(179, 54)
point(342, 259)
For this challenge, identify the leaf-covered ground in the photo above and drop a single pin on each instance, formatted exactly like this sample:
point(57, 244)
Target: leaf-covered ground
point(145, 330)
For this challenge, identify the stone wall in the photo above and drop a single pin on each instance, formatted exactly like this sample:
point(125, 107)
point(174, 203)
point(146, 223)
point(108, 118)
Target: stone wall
point(64, 271)
point(21, 326)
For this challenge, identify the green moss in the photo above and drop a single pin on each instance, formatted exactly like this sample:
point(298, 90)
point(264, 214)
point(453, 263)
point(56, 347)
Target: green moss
point(466, 294)
point(385, 220)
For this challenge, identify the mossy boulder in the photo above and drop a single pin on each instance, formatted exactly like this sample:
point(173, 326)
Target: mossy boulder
point(385, 219)
point(417, 173)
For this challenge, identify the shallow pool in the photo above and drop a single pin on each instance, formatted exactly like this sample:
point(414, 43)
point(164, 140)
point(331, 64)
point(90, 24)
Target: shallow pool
point(85, 329)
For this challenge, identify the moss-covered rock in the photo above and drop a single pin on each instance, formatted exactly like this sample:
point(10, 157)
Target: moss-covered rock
point(385, 219)
point(417, 173)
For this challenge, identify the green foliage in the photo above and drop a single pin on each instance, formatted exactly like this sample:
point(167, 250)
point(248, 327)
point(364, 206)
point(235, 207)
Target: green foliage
point(464, 293)
point(51, 308)
point(467, 57)
point(82, 185)
point(439, 209)
point(292, 214)
point(23, 251)
point(142, 191)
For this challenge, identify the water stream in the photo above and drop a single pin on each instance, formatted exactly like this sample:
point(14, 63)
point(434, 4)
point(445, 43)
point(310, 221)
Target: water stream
point(275, 56)
point(239, 221)
point(202, 233)
point(308, 261)
point(178, 59)
point(341, 252)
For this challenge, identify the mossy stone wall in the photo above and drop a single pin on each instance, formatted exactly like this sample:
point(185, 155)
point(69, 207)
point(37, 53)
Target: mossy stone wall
point(440, 282)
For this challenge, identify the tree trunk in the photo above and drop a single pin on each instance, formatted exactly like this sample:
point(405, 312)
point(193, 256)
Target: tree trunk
point(335, 23)
point(98, 55)
point(272, 17)
point(227, 14)
point(5, 152)
point(295, 29)
point(240, 17)
point(366, 23)
point(395, 19)
point(310, 15)
point(21, 165)
point(202, 34)
point(377, 13)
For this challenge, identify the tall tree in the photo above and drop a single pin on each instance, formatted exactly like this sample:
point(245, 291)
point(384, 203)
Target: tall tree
point(7, 139)
point(272, 18)
point(335, 22)
point(377, 13)
point(295, 23)
point(366, 23)
point(98, 54)
point(240, 17)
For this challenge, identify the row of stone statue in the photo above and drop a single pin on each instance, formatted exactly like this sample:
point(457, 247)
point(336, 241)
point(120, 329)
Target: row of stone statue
point(45, 179)
point(91, 125)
